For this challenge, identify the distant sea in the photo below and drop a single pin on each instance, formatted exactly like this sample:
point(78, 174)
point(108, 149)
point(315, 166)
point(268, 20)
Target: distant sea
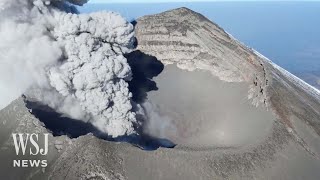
point(288, 33)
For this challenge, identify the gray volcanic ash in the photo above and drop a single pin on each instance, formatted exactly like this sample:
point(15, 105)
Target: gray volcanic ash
point(72, 63)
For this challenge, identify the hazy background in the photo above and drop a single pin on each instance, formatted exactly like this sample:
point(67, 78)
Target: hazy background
point(285, 32)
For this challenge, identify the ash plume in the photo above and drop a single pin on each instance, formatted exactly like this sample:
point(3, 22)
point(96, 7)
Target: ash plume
point(74, 63)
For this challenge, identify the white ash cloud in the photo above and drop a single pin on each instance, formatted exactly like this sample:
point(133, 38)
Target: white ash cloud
point(156, 124)
point(73, 63)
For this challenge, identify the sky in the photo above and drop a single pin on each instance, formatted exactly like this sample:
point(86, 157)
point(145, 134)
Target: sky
point(143, 1)
point(162, 1)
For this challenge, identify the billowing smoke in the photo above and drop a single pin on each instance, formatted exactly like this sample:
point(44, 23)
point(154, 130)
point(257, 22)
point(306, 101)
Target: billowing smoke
point(74, 63)
point(158, 125)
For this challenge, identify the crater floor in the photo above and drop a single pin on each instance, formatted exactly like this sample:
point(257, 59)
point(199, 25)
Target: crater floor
point(196, 109)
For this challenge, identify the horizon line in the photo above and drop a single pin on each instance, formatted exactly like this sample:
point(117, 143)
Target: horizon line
point(192, 1)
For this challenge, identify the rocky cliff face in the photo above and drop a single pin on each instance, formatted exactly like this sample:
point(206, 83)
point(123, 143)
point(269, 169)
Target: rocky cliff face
point(192, 41)
point(290, 150)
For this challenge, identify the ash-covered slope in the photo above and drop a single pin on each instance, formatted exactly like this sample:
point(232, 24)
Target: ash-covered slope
point(289, 150)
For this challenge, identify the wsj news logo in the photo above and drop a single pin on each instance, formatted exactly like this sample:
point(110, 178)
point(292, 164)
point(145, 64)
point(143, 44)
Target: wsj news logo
point(28, 145)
